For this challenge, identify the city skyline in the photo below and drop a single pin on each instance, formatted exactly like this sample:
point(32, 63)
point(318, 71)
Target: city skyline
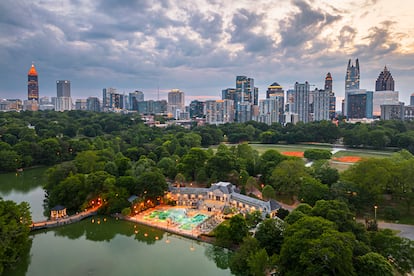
point(201, 48)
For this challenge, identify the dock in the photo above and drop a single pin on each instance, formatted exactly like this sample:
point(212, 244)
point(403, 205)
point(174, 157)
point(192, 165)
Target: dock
point(63, 221)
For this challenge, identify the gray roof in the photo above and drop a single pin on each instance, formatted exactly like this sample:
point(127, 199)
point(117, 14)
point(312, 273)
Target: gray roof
point(58, 208)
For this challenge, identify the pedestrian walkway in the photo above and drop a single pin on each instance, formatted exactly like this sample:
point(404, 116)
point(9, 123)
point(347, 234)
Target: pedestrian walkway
point(66, 220)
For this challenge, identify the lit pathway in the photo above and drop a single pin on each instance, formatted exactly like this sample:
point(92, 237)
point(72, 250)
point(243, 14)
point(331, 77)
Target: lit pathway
point(63, 221)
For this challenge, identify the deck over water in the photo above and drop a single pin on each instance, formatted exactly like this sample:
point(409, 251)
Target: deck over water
point(62, 221)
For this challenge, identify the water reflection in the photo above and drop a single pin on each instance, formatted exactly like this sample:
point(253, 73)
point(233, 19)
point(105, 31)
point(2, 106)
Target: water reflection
point(22, 182)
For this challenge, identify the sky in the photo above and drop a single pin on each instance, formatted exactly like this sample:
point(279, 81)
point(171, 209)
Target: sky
point(200, 46)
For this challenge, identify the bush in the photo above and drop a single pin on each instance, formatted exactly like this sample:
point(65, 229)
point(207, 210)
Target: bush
point(317, 154)
point(391, 213)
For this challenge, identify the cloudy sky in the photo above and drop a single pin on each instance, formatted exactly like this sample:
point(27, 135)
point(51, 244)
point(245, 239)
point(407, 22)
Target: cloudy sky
point(200, 46)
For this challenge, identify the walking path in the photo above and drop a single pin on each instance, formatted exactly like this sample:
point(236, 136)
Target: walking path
point(66, 220)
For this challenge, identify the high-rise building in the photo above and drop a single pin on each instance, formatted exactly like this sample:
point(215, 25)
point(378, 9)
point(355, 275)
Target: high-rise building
point(412, 99)
point(219, 111)
point(269, 110)
point(93, 104)
point(352, 76)
point(321, 101)
point(229, 94)
point(32, 84)
point(290, 101)
point(392, 111)
point(302, 101)
point(275, 91)
point(245, 90)
point(385, 97)
point(134, 98)
point(359, 104)
point(176, 103)
point(81, 104)
point(197, 109)
point(113, 101)
point(385, 81)
point(332, 98)
point(63, 88)
point(63, 100)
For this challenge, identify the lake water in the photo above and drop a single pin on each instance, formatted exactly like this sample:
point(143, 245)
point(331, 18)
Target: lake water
point(105, 246)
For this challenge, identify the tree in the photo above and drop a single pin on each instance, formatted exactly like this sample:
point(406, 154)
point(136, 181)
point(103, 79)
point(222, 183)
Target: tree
point(267, 163)
point(192, 161)
point(238, 228)
point(373, 264)
point(151, 184)
point(317, 154)
point(15, 221)
point(400, 251)
point(270, 235)
point(312, 246)
point(287, 177)
point(9, 160)
point(239, 263)
point(268, 192)
point(312, 190)
point(324, 172)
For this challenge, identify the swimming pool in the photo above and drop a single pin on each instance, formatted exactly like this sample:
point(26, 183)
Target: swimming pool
point(177, 216)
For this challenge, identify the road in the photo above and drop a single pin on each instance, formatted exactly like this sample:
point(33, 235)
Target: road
point(406, 231)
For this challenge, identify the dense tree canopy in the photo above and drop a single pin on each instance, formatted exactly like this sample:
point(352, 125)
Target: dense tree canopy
point(15, 221)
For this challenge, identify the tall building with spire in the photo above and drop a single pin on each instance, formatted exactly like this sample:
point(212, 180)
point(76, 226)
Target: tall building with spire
point(352, 76)
point(332, 98)
point(385, 81)
point(32, 84)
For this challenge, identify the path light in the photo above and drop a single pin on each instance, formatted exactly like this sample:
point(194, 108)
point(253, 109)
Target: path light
point(375, 212)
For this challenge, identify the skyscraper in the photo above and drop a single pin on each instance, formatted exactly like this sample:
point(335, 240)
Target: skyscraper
point(302, 101)
point(134, 98)
point(332, 98)
point(275, 91)
point(385, 81)
point(359, 104)
point(63, 100)
point(412, 99)
point(176, 103)
point(245, 90)
point(63, 88)
point(321, 104)
point(32, 84)
point(352, 76)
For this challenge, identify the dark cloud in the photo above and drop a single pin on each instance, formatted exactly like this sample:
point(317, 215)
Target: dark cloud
point(303, 26)
point(209, 26)
point(379, 41)
point(242, 31)
point(346, 35)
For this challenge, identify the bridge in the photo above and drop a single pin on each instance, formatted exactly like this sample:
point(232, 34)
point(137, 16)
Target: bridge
point(63, 221)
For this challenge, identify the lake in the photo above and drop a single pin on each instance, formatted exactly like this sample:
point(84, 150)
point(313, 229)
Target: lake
point(103, 245)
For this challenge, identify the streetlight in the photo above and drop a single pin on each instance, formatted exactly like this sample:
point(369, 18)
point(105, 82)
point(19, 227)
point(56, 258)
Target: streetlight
point(375, 212)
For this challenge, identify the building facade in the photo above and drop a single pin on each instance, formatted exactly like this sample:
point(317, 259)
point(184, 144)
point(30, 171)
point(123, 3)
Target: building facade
point(176, 103)
point(219, 111)
point(134, 98)
point(321, 105)
point(275, 91)
point(301, 98)
point(332, 98)
point(219, 196)
point(196, 109)
point(359, 104)
point(63, 99)
point(93, 104)
point(383, 97)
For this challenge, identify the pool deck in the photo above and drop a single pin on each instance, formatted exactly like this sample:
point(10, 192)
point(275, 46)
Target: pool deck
point(195, 233)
